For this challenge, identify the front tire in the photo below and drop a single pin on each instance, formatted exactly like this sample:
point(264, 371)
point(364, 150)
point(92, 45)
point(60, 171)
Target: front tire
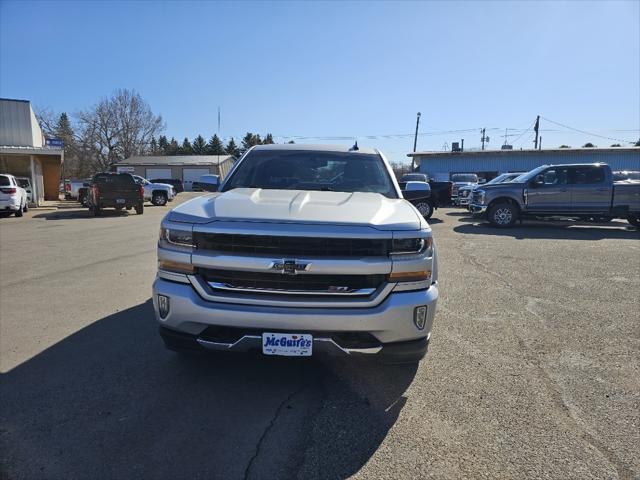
point(140, 209)
point(425, 209)
point(159, 199)
point(19, 211)
point(503, 215)
point(634, 220)
point(97, 212)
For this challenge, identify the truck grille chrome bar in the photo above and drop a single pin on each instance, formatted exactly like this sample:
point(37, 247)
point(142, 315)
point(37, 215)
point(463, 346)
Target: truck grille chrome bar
point(335, 291)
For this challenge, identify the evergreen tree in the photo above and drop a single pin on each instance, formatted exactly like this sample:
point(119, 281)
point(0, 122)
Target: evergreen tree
point(73, 162)
point(163, 145)
point(186, 148)
point(199, 146)
point(249, 141)
point(173, 148)
point(268, 140)
point(64, 130)
point(215, 146)
point(637, 144)
point(232, 149)
point(153, 146)
point(588, 145)
point(291, 142)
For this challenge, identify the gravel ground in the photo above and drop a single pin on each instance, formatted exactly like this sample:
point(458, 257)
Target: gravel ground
point(533, 369)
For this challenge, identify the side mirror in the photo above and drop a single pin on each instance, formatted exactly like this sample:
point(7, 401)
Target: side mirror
point(537, 181)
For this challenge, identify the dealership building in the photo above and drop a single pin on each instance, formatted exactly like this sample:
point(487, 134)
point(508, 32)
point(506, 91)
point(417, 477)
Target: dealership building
point(26, 153)
point(187, 168)
point(491, 163)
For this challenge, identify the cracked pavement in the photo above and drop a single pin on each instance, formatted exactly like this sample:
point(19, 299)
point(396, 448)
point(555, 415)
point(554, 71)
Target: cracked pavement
point(533, 370)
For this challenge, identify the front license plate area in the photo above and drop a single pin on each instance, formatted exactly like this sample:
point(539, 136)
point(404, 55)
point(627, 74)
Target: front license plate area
point(120, 200)
point(287, 344)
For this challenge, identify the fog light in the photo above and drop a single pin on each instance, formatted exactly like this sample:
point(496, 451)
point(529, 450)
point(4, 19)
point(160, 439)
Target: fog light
point(419, 317)
point(163, 306)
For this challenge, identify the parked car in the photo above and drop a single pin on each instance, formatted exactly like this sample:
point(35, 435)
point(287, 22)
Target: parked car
point(626, 175)
point(71, 188)
point(156, 193)
point(25, 182)
point(206, 183)
point(462, 180)
point(13, 198)
point(305, 250)
point(465, 193)
point(440, 191)
point(115, 190)
point(177, 185)
point(583, 191)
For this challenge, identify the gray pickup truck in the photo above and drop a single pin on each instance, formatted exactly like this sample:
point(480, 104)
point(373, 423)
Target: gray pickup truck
point(585, 191)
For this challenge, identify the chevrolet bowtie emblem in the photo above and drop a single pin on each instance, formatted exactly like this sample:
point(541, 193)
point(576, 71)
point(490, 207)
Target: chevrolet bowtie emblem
point(289, 267)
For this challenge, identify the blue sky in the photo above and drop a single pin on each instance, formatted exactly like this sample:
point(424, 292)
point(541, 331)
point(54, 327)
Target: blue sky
point(339, 69)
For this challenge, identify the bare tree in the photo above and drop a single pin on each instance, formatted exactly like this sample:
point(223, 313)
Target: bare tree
point(118, 127)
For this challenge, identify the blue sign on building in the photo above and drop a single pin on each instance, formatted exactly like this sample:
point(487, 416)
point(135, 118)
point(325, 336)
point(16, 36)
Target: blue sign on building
point(55, 142)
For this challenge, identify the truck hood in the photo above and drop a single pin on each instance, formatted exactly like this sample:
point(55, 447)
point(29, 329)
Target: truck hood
point(296, 206)
point(159, 185)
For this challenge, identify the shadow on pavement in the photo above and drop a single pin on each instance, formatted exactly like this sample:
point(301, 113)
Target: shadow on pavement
point(110, 402)
point(84, 213)
point(552, 230)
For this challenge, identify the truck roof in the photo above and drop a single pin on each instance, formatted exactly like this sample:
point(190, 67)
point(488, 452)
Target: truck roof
point(315, 148)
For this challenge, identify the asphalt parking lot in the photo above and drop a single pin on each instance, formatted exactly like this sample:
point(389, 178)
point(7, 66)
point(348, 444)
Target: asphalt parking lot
point(533, 370)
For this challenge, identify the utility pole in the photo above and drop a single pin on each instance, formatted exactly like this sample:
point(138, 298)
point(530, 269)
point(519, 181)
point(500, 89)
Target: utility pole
point(415, 142)
point(536, 127)
point(484, 137)
point(540, 143)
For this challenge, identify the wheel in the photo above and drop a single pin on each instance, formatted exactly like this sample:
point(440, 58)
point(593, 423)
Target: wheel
point(634, 220)
point(159, 199)
point(425, 209)
point(503, 215)
point(140, 209)
point(97, 211)
point(83, 200)
point(26, 206)
point(19, 211)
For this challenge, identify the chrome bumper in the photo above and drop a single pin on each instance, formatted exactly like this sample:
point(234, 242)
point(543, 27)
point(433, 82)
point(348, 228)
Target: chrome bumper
point(389, 321)
point(478, 209)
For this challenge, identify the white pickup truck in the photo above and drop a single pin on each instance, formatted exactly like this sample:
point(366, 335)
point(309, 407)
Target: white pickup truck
point(157, 193)
point(304, 250)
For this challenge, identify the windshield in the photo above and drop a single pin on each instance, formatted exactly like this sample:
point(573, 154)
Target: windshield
point(498, 179)
point(464, 177)
point(414, 177)
point(309, 170)
point(525, 177)
point(23, 182)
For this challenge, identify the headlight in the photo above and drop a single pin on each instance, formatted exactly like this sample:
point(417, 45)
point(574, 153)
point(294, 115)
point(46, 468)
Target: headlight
point(411, 246)
point(176, 239)
point(480, 196)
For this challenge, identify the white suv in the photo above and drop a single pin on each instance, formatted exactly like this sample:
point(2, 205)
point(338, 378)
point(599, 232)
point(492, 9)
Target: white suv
point(13, 198)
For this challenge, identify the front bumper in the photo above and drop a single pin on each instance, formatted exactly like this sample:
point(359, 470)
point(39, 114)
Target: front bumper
point(478, 209)
point(390, 322)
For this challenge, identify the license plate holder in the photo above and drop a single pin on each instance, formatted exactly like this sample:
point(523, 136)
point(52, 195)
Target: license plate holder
point(287, 344)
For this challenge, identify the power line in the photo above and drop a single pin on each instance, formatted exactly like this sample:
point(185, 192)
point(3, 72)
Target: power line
point(585, 132)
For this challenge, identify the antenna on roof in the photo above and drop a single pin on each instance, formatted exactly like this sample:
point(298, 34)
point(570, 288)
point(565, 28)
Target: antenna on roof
point(355, 147)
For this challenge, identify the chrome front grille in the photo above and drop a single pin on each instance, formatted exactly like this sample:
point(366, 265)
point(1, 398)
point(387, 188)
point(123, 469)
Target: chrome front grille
point(278, 283)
